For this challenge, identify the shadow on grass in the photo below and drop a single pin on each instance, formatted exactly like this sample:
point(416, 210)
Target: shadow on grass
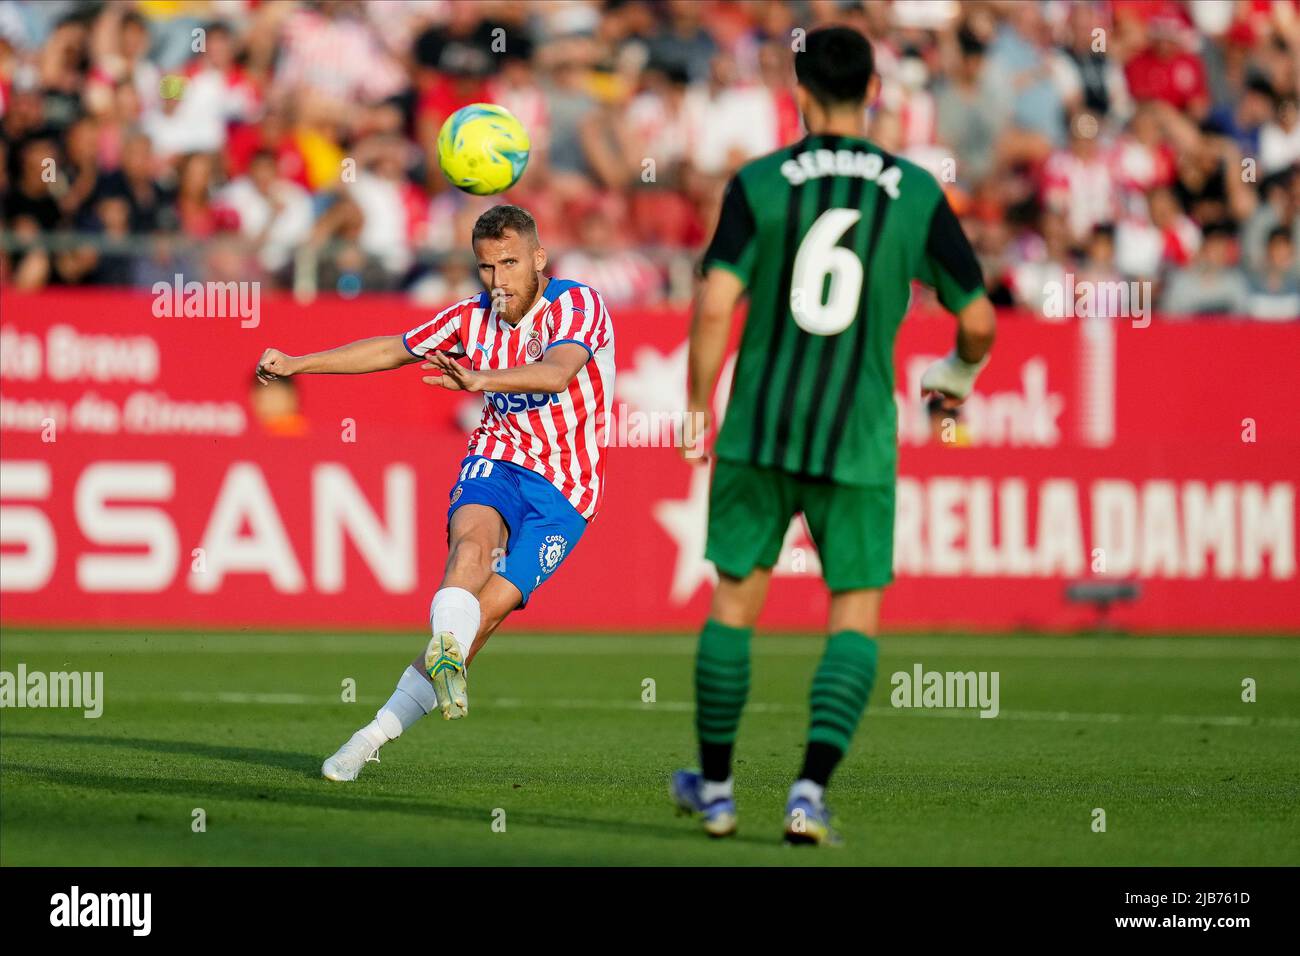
point(306, 764)
point(324, 795)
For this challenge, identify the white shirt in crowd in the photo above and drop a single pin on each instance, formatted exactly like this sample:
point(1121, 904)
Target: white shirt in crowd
point(288, 229)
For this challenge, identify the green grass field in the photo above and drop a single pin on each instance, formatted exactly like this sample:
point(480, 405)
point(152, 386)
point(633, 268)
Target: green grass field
point(1152, 730)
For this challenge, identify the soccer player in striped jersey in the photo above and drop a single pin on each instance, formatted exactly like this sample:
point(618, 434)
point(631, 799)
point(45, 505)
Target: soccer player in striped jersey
point(825, 237)
point(541, 351)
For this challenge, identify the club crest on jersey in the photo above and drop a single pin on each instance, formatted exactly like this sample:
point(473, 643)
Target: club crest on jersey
point(551, 552)
point(534, 347)
point(508, 402)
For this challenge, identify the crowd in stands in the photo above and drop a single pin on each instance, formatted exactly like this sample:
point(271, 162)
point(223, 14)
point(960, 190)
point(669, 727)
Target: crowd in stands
point(1145, 141)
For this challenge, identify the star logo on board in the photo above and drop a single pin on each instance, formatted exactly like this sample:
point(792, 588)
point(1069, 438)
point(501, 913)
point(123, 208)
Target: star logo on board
point(656, 382)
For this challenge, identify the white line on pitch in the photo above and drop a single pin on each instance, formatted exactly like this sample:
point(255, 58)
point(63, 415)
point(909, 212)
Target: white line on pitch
point(758, 707)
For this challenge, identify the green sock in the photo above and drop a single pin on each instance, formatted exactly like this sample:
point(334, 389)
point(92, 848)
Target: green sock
point(840, 688)
point(721, 686)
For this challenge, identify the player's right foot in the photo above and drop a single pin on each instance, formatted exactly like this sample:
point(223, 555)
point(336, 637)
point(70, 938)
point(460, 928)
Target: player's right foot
point(351, 757)
point(445, 666)
point(686, 788)
point(809, 822)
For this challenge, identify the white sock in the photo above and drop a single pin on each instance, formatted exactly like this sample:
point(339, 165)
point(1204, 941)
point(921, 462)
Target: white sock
point(716, 790)
point(813, 792)
point(413, 698)
point(456, 610)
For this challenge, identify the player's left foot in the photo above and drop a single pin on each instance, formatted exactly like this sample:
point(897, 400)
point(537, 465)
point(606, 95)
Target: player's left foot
point(350, 758)
point(686, 788)
point(445, 666)
point(808, 821)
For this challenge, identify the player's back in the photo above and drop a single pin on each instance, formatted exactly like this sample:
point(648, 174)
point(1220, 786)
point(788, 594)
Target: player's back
point(827, 235)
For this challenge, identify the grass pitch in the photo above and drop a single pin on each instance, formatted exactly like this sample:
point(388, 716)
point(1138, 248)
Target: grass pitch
point(560, 747)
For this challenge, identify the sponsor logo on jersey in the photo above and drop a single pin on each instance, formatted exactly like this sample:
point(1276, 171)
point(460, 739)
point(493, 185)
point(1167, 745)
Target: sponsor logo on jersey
point(551, 552)
point(511, 402)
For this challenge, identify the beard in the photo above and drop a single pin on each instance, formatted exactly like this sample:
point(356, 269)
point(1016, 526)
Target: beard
point(513, 309)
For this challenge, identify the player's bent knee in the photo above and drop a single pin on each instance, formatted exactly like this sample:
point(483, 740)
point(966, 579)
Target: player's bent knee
point(469, 554)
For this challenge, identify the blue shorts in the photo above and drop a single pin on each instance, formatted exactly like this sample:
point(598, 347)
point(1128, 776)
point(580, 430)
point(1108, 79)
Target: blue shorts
point(542, 526)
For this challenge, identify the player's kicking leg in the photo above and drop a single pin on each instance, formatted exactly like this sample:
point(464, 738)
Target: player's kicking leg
point(471, 603)
point(509, 530)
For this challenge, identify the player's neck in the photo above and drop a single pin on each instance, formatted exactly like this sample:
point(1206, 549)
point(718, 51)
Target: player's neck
point(840, 124)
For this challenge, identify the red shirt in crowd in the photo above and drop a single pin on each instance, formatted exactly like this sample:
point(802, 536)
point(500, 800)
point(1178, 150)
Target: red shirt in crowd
point(1177, 80)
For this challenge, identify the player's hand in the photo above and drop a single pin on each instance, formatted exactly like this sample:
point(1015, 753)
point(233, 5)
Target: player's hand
point(697, 432)
point(949, 403)
point(951, 378)
point(455, 377)
point(275, 364)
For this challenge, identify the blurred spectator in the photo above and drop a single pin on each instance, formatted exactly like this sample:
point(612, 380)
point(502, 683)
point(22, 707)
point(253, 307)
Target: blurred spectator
point(455, 278)
point(1043, 259)
point(1159, 235)
point(273, 213)
point(31, 209)
point(151, 207)
point(275, 135)
point(1098, 265)
point(120, 55)
point(683, 42)
point(970, 113)
point(623, 276)
point(1242, 121)
point(393, 208)
point(1032, 72)
point(111, 220)
point(276, 409)
point(1209, 286)
point(1209, 184)
point(1077, 182)
point(1279, 140)
point(80, 168)
point(728, 123)
point(1102, 88)
point(197, 216)
point(1275, 291)
point(1143, 159)
point(329, 52)
point(1281, 207)
point(1168, 72)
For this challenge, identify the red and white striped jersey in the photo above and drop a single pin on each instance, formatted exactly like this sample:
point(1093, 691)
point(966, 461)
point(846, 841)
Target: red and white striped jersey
point(560, 436)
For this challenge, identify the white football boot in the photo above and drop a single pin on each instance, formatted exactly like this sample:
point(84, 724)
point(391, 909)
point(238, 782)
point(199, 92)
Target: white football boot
point(351, 757)
point(445, 665)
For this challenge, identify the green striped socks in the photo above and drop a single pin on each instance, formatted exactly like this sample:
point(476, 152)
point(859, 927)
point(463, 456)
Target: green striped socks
point(721, 686)
point(841, 687)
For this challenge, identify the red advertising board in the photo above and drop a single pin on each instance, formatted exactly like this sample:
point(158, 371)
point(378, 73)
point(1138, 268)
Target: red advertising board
point(137, 486)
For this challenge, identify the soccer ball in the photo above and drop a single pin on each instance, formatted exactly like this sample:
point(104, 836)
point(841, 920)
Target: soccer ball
point(483, 149)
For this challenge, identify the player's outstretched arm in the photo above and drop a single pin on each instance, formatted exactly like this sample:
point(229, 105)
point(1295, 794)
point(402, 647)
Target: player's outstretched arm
point(365, 355)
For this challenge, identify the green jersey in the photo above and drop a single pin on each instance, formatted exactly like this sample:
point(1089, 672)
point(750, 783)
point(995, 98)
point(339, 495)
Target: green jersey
point(827, 236)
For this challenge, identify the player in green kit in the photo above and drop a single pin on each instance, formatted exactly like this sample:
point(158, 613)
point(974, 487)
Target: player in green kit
point(825, 237)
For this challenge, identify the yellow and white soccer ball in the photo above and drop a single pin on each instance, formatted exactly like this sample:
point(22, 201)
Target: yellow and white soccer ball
point(483, 149)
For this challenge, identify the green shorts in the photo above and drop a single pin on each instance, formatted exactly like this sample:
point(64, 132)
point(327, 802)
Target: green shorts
point(852, 525)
